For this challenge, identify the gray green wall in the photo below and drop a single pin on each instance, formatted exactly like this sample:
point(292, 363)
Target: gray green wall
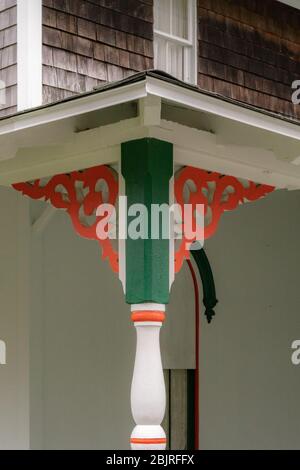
point(82, 343)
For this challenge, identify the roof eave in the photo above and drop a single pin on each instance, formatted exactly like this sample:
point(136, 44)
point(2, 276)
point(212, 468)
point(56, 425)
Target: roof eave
point(151, 83)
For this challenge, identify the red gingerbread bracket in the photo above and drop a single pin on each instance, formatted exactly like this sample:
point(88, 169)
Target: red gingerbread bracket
point(218, 193)
point(80, 193)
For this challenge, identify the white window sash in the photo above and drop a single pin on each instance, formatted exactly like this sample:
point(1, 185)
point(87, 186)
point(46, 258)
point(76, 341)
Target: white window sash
point(175, 39)
point(190, 50)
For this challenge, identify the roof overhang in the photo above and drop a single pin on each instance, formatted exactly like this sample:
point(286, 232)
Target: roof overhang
point(291, 3)
point(207, 131)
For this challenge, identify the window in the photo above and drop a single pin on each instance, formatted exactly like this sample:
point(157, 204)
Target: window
point(175, 36)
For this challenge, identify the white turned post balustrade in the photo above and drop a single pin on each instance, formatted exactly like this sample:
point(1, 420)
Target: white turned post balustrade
point(148, 395)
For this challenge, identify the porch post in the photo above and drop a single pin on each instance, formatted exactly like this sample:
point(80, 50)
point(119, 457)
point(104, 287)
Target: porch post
point(147, 167)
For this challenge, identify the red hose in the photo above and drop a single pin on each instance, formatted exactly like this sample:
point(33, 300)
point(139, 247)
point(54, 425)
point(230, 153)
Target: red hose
point(197, 343)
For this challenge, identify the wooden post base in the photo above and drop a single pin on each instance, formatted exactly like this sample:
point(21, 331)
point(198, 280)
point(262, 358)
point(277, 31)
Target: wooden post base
point(148, 396)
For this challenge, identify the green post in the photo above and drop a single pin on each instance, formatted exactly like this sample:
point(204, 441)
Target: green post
point(147, 167)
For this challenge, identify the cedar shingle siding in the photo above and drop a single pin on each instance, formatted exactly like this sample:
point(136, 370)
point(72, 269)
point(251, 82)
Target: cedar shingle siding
point(249, 50)
point(8, 55)
point(86, 43)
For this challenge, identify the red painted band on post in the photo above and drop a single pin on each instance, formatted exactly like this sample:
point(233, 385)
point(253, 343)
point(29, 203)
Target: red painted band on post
point(148, 441)
point(145, 315)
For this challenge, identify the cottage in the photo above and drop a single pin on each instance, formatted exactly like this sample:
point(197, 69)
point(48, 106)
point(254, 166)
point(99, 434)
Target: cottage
point(156, 103)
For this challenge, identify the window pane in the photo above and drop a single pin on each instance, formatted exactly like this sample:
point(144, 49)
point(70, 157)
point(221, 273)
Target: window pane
point(160, 54)
point(162, 15)
point(175, 59)
point(171, 58)
point(172, 23)
point(180, 18)
point(189, 74)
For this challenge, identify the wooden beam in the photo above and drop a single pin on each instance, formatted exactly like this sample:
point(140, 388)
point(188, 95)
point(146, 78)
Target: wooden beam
point(193, 147)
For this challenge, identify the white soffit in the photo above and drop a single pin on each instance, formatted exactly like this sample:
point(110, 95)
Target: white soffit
point(172, 92)
point(64, 110)
point(207, 103)
point(45, 141)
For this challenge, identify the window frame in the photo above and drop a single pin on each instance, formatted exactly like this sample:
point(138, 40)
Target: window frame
point(190, 49)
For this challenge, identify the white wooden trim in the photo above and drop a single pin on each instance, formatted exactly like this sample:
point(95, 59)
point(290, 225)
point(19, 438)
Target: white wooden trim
point(40, 225)
point(191, 147)
point(194, 27)
point(37, 352)
point(171, 38)
point(171, 240)
point(168, 91)
point(122, 226)
point(29, 32)
point(23, 323)
point(150, 307)
point(102, 145)
point(203, 149)
point(220, 107)
point(68, 109)
point(148, 395)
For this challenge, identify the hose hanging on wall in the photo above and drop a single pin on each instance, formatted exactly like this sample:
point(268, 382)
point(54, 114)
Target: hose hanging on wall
point(210, 301)
point(208, 283)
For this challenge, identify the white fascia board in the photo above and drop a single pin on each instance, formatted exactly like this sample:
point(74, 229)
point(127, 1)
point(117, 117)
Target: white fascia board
point(150, 86)
point(202, 149)
point(29, 45)
point(71, 108)
point(213, 105)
